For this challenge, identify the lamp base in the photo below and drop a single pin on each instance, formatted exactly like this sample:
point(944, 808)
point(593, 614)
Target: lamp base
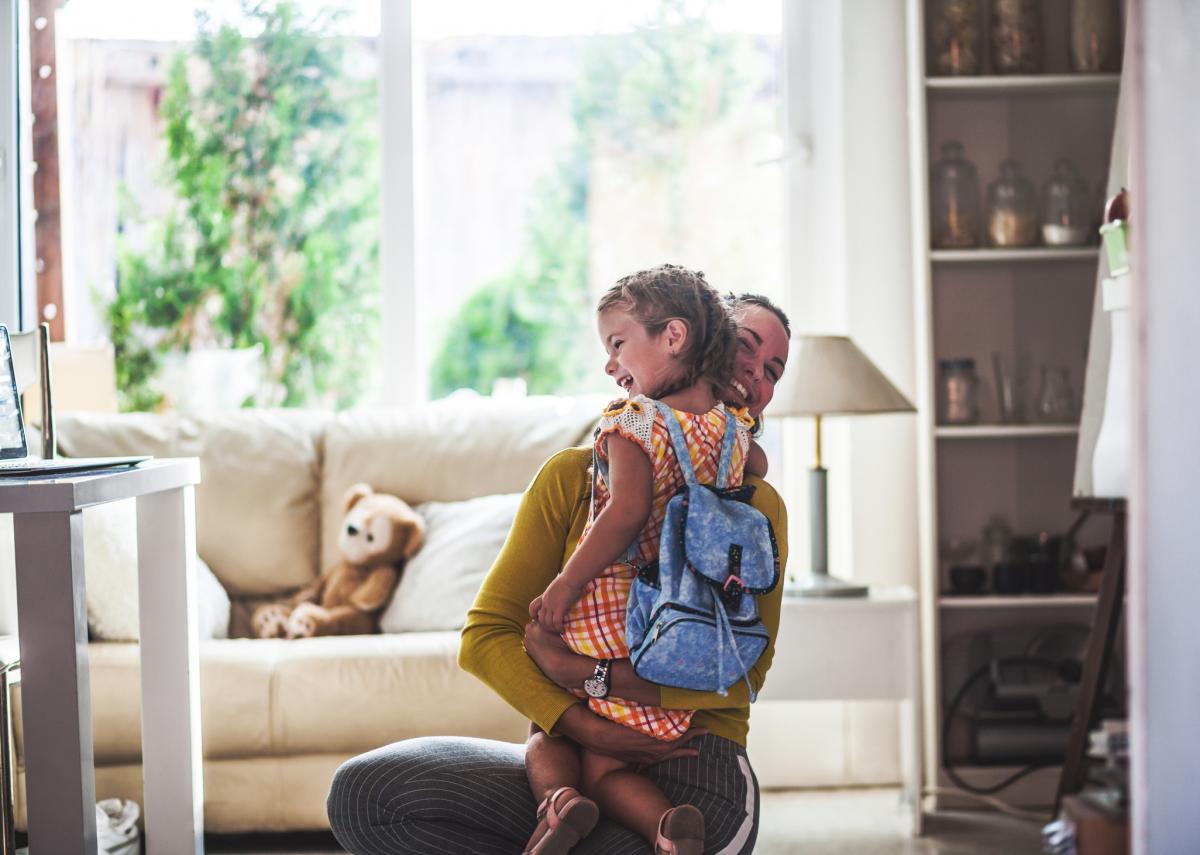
point(824, 585)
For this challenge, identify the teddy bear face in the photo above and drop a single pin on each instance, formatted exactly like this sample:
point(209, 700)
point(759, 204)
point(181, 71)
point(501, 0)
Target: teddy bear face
point(378, 529)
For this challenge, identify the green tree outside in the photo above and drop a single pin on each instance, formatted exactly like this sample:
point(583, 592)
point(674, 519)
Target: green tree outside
point(274, 237)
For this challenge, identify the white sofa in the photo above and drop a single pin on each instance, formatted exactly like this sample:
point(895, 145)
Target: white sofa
point(279, 716)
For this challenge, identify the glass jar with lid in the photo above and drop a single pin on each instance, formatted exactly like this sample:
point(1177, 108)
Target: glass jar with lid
point(1016, 36)
point(954, 200)
point(954, 37)
point(1068, 209)
point(958, 392)
point(1095, 36)
point(1012, 218)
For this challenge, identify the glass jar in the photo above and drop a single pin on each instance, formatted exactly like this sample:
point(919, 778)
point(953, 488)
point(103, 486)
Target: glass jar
point(1095, 36)
point(1056, 398)
point(1016, 36)
point(958, 392)
point(1067, 207)
point(1012, 218)
point(954, 200)
point(954, 37)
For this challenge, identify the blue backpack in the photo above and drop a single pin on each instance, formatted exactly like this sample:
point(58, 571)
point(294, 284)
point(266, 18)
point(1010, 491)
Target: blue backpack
point(692, 620)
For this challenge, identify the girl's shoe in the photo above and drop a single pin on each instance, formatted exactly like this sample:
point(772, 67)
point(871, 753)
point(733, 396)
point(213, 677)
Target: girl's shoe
point(564, 818)
point(680, 832)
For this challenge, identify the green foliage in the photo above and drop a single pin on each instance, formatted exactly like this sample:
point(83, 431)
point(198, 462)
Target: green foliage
point(637, 91)
point(274, 237)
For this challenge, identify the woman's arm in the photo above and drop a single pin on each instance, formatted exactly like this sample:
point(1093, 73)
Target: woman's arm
point(631, 489)
point(548, 523)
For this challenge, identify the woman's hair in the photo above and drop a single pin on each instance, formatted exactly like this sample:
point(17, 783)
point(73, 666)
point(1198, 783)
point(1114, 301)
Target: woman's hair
point(735, 303)
point(655, 296)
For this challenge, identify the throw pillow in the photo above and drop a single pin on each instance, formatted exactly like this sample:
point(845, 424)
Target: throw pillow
point(110, 573)
point(439, 583)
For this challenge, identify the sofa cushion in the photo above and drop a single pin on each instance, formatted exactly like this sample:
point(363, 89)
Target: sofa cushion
point(341, 694)
point(257, 512)
point(235, 693)
point(439, 583)
point(449, 450)
point(110, 571)
point(354, 693)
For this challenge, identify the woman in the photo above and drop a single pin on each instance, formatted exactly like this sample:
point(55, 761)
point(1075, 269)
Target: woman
point(454, 794)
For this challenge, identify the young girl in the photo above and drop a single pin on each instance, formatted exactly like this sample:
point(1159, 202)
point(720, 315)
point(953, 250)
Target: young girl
point(668, 338)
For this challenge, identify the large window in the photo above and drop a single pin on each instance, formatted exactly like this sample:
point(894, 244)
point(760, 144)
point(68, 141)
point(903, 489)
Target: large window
point(219, 187)
point(221, 166)
point(560, 146)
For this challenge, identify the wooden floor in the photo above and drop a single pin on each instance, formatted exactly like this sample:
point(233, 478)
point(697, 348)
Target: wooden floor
point(804, 822)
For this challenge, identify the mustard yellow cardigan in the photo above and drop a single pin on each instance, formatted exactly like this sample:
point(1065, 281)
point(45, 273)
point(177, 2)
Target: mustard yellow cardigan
point(545, 532)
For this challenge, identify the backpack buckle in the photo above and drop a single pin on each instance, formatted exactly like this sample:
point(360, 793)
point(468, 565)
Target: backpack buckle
point(732, 590)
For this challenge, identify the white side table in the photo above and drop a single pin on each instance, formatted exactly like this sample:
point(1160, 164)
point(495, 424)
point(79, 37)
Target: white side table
point(855, 649)
point(52, 625)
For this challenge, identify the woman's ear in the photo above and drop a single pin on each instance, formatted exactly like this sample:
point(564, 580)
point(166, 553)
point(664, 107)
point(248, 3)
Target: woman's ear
point(675, 335)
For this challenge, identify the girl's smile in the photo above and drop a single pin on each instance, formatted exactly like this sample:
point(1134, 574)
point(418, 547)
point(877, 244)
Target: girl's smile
point(639, 362)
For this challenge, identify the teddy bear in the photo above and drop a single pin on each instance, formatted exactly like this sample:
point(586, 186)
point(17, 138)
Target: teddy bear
point(379, 533)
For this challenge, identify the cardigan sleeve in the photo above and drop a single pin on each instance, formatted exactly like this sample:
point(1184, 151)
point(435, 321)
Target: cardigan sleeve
point(547, 526)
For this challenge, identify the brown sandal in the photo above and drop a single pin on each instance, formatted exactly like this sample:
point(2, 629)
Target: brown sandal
point(562, 824)
point(680, 832)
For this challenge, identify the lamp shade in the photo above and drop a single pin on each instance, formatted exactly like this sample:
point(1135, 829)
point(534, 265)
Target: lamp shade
point(828, 375)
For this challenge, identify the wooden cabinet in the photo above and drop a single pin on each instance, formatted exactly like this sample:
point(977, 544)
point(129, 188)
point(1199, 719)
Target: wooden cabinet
point(1032, 303)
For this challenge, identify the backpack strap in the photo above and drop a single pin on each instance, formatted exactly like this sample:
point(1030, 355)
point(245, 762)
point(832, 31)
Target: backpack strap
point(727, 443)
point(681, 450)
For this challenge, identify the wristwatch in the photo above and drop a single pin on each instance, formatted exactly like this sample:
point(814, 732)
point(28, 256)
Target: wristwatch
point(597, 685)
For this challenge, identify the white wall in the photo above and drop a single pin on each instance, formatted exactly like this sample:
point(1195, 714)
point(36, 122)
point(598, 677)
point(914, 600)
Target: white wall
point(1164, 582)
point(850, 271)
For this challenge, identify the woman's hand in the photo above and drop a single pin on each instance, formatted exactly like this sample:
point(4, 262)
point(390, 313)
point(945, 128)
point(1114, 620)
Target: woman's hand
point(557, 661)
point(622, 743)
point(569, 669)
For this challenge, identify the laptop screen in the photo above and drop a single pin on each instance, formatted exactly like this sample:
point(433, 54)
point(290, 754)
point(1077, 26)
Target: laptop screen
point(12, 428)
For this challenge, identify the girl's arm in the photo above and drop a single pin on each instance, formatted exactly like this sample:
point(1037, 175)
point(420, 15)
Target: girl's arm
point(631, 489)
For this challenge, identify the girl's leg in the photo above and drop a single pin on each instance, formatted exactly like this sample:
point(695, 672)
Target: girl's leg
point(719, 782)
point(627, 796)
point(550, 762)
point(564, 816)
point(450, 795)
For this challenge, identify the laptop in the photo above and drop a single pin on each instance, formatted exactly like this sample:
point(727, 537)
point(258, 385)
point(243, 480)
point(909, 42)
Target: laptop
point(15, 461)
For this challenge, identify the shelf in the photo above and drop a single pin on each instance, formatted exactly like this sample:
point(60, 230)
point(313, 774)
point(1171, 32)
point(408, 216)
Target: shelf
point(1015, 601)
point(1025, 84)
point(1011, 256)
point(1004, 431)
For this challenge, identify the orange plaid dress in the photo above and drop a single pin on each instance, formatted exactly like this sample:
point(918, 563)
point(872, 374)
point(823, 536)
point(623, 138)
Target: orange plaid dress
point(595, 626)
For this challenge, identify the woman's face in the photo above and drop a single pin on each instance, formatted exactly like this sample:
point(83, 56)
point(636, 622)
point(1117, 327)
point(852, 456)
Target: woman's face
point(762, 353)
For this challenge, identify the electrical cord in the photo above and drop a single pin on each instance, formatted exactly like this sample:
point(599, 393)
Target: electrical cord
point(952, 711)
point(998, 804)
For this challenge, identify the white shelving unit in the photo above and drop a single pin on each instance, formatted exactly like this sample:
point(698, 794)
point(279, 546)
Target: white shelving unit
point(971, 303)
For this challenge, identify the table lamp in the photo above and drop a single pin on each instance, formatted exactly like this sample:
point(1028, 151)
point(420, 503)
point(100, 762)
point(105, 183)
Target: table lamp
point(827, 375)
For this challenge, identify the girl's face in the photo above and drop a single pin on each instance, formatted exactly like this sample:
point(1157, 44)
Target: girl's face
point(762, 352)
point(641, 363)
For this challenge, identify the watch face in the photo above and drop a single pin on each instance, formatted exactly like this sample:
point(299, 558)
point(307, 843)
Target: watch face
point(595, 687)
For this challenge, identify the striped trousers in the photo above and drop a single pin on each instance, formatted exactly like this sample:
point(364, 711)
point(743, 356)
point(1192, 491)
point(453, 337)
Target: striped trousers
point(444, 795)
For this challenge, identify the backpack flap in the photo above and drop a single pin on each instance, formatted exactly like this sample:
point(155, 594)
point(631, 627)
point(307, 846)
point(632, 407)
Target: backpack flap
point(730, 543)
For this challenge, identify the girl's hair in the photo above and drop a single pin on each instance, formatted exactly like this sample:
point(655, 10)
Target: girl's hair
point(736, 302)
point(655, 296)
